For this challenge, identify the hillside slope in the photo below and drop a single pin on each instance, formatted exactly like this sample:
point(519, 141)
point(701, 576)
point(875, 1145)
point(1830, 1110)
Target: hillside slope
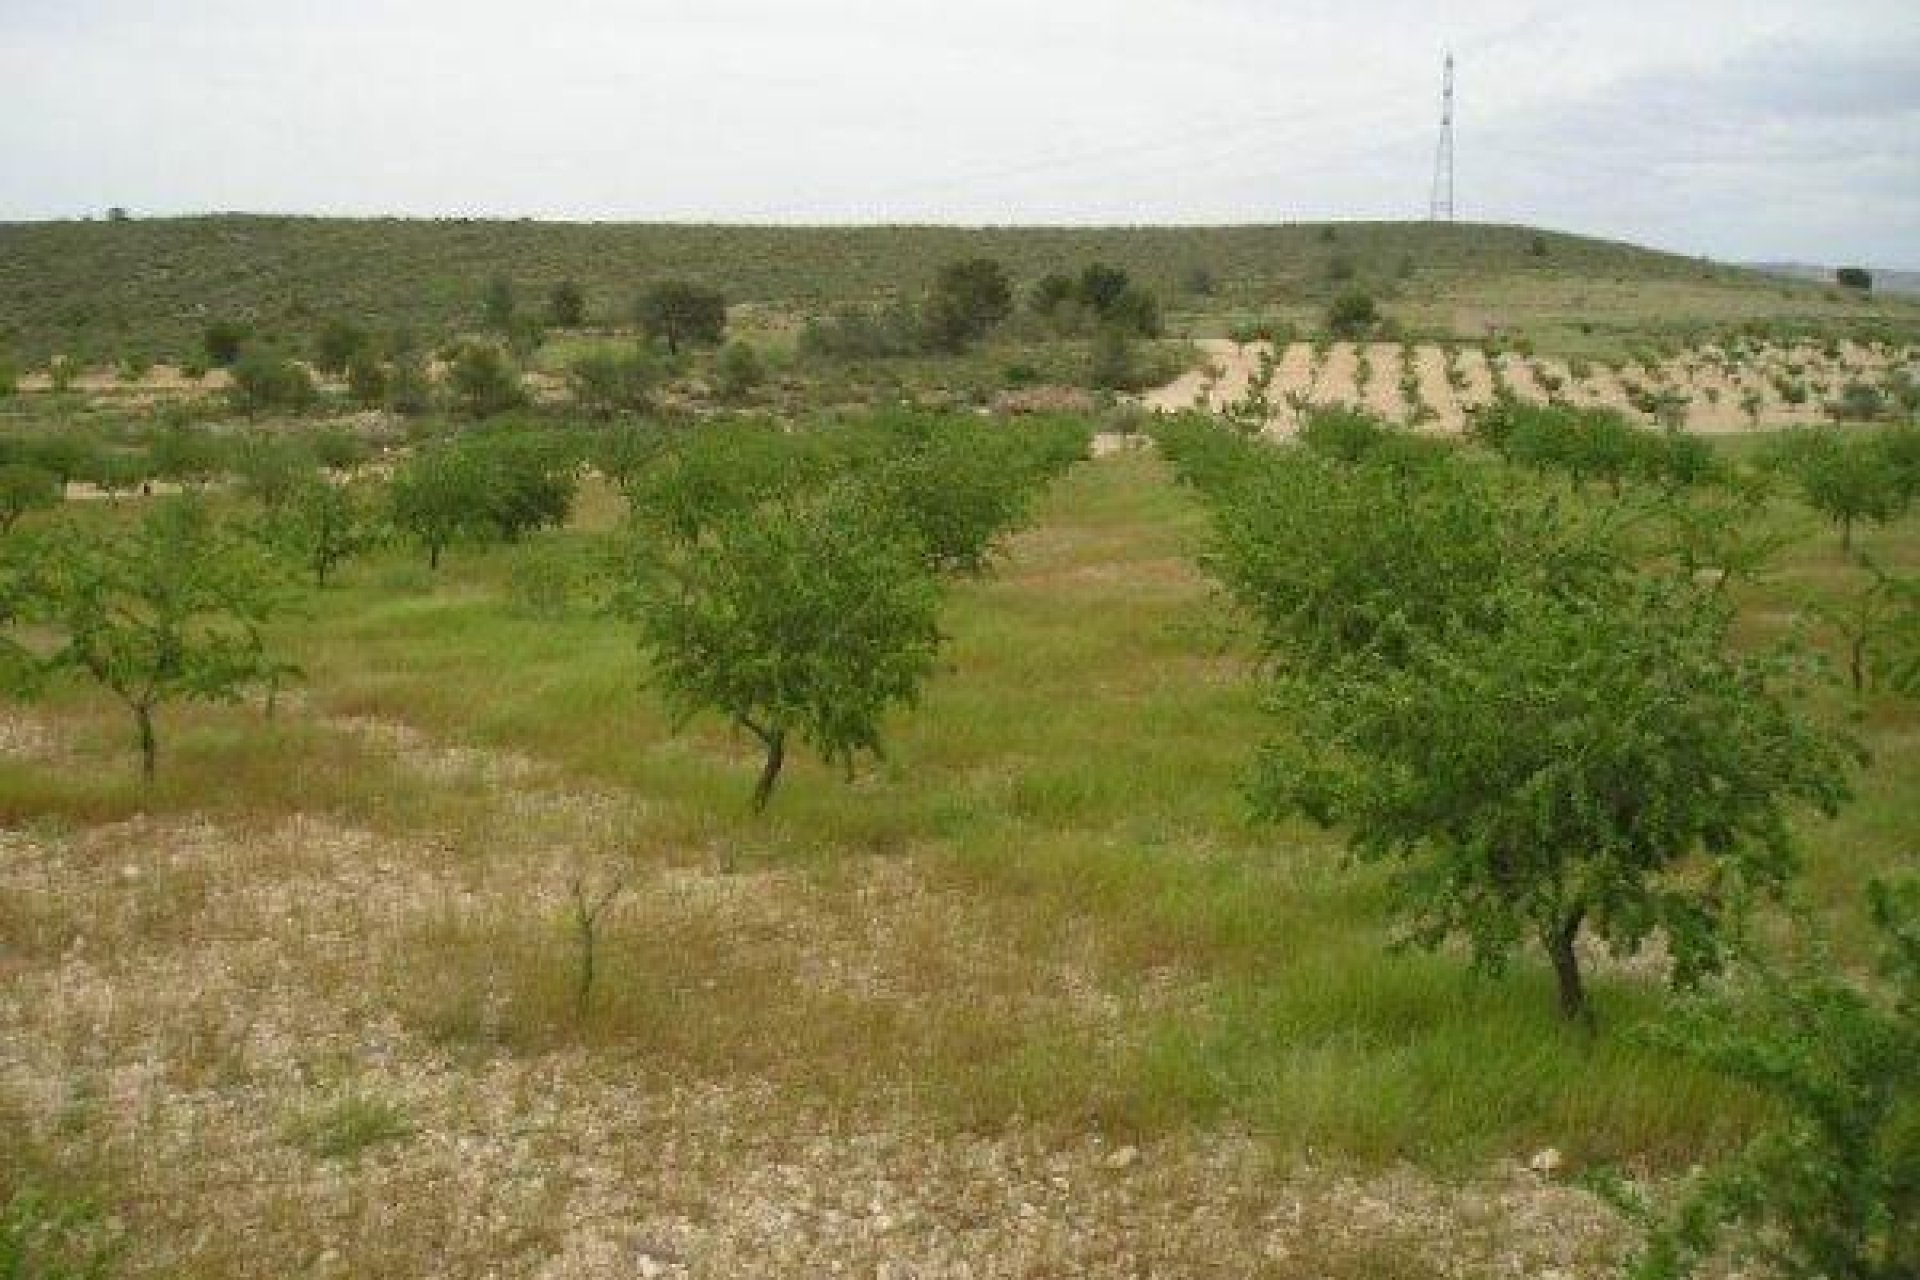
point(101, 290)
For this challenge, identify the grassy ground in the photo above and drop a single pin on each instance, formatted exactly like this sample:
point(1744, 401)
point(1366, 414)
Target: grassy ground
point(326, 964)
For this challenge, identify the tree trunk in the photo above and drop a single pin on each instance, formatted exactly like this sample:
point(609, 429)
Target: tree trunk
point(433, 556)
point(149, 749)
point(1566, 968)
point(1846, 532)
point(583, 987)
point(770, 773)
point(1857, 663)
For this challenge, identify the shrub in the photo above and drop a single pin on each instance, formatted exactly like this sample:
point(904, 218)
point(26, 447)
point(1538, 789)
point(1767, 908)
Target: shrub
point(1112, 366)
point(339, 344)
point(738, 371)
point(409, 389)
point(25, 487)
point(968, 298)
point(1831, 1187)
point(265, 381)
point(566, 306)
point(1343, 434)
point(223, 341)
point(500, 486)
point(1352, 315)
point(1102, 295)
point(682, 312)
point(1858, 402)
point(497, 305)
point(367, 382)
point(606, 382)
point(853, 332)
point(1854, 278)
point(482, 382)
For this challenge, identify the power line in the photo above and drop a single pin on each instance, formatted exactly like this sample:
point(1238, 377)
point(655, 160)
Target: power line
point(1440, 203)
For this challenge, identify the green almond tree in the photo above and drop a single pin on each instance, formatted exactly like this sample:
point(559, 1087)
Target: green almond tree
point(167, 610)
point(806, 619)
point(1583, 765)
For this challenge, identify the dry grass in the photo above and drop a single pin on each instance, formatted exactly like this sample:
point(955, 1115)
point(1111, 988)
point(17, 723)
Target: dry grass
point(1029, 998)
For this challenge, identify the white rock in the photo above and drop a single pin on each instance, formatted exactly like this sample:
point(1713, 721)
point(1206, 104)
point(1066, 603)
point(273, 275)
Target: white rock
point(1546, 1161)
point(1123, 1158)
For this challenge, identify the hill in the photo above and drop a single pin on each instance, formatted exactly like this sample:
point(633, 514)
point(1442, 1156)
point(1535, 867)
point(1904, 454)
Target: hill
point(104, 290)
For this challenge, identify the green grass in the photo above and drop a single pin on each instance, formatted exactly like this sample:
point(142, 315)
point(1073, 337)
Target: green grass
point(1077, 768)
point(1073, 777)
point(346, 1126)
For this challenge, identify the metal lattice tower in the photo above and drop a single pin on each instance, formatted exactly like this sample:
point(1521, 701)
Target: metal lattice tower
point(1440, 206)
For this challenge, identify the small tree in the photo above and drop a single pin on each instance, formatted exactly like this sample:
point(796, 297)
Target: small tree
point(1878, 628)
point(968, 298)
point(1352, 315)
point(23, 488)
point(483, 382)
point(1101, 287)
point(957, 486)
point(190, 456)
point(500, 487)
point(367, 381)
point(409, 388)
point(271, 468)
point(1830, 1188)
point(1854, 278)
point(437, 498)
point(566, 306)
point(497, 305)
point(803, 619)
point(527, 482)
point(681, 311)
point(168, 610)
point(1592, 763)
point(70, 454)
point(323, 525)
point(264, 381)
point(1111, 363)
point(223, 341)
point(338, 345)
point(738, 371)
point(607, 382)
point(1845, 479)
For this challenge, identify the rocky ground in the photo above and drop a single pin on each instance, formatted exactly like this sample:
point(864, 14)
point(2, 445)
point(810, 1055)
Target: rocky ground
point(224, 1023)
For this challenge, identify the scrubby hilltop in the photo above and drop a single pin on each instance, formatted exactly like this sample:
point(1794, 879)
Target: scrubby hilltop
point(105, 290)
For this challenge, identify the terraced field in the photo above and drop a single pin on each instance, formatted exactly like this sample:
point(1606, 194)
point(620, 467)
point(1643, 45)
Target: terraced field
point(1713, 389)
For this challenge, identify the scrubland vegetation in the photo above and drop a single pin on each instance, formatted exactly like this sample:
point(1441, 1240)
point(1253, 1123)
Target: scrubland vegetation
point(721, 795)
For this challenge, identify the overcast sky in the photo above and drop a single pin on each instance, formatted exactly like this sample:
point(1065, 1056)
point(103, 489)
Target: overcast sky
point(1743, 129)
